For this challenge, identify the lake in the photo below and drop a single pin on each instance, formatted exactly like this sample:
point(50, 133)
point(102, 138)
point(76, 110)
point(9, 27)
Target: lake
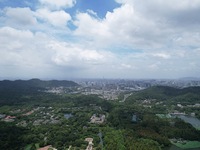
point(192, 120)
point(189, 119)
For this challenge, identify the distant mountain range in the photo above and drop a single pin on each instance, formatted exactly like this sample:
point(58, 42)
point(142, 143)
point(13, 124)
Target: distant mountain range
point(36, 83)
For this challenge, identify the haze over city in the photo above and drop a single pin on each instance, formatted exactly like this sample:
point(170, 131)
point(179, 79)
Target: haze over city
point(99, 39)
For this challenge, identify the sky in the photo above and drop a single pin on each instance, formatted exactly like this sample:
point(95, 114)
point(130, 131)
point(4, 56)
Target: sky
point(61, 39)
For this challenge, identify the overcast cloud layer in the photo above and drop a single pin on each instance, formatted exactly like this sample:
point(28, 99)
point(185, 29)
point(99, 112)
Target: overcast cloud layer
point(136, 39)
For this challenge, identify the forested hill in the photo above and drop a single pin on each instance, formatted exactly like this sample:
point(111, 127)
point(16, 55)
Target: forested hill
point(13, 91)
point(36, 83)
point(191, 94)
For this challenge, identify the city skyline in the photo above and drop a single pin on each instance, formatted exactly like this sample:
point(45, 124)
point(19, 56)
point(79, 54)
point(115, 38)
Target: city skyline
point(99, 39)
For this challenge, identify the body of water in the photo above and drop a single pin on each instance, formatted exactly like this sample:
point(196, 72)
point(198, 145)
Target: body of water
point(189, 119)
point(192, 120)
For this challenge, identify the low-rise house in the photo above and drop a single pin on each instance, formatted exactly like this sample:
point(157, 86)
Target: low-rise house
point(49, 147)
point(90, 143)
point(179, 105)
point(192, 114)
point(197, 105)
point(97, 120)
point(28, 113)
point(9, 119)
point(22, 123)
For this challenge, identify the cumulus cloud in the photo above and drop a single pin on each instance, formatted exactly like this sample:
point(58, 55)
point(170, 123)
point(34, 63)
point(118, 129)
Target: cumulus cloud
point(143, 24)
point(66, 54)
point(123, 25)
point(153, 38)
point(117, 26)
point(90, 25)
point(55, 18)
point(24, 44)
point(40, 55)
point(91, 12)
point(183, 15)
point(58, 3)
point(20, 16)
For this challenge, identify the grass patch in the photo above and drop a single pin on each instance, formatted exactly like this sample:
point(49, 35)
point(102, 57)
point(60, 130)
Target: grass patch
point(188, 144)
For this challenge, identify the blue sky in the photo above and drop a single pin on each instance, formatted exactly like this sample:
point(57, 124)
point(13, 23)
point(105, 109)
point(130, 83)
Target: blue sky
point(99, 38)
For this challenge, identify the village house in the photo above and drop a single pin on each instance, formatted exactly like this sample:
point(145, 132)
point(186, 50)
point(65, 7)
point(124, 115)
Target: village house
point(90, 143)
point(97, 120)
point(9, 119)
point(49, 147)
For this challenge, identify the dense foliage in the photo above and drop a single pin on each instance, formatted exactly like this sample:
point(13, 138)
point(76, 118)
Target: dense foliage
point(190, 94)
point(46, 124)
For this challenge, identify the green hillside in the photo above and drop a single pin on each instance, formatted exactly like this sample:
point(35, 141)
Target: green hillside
point(190, 94)
point(36, 83)
point(13, 91)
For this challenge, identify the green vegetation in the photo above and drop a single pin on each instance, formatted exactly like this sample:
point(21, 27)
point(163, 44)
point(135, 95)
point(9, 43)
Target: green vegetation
point(36, 119)
point(187, 95)
point(188, 144)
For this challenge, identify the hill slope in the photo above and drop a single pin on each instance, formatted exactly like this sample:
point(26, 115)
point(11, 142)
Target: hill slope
point(12, 91)
point(36, 83)
point(167, 93)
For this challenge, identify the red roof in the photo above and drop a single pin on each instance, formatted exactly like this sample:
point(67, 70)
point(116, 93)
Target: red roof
point(10, 117)
point(45, 148)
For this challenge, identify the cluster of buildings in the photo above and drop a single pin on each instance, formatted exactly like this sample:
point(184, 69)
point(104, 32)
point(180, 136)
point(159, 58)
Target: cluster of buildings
point(39, 115)
point(110, 89)
point(7, 118)
point(90, 143)
point(105, 94)
point(98, 119)
point(48, 147)
point(194, 106)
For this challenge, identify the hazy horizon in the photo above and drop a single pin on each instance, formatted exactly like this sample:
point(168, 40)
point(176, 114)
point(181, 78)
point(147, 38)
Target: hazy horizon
point(87, 79)
point(115, 39)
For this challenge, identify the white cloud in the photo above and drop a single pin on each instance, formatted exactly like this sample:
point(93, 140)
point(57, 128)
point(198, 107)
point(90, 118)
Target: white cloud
point(143, 24)
point(186, 4)
point(162, 55)
point(24, 44)
point(90, 27)
point(17, 35)
point(164, 37)
point(55, 18)
point(123, 25)
point(75, 55)
point(20, 16)
point(40, 55)
point(91, 12)
point(117, 26)
point(56, 4)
